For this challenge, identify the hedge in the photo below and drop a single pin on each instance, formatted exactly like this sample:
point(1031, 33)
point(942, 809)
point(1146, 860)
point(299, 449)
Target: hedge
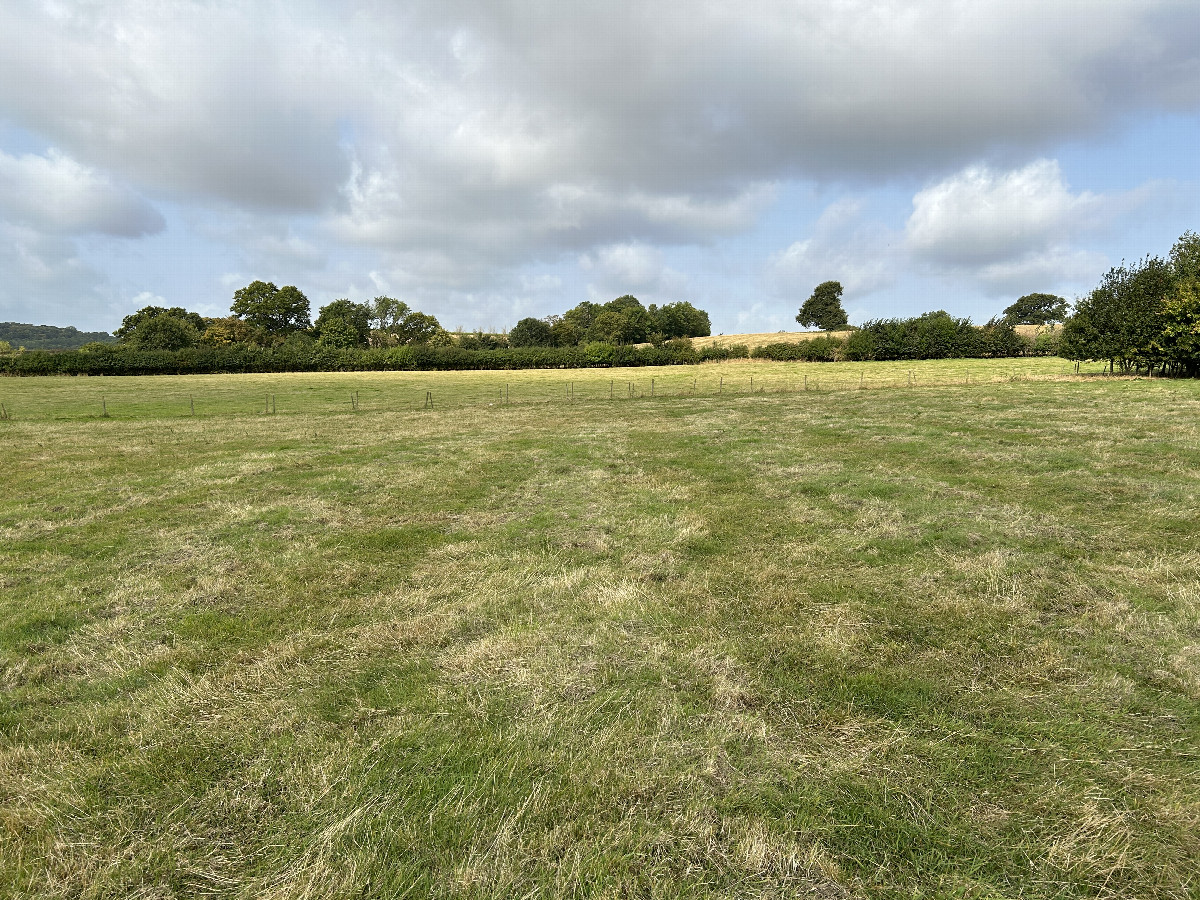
point(246, 359)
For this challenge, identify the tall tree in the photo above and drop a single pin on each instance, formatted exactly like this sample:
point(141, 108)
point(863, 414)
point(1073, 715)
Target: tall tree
point(275, 310)
point(823, 309)
point(387, 312)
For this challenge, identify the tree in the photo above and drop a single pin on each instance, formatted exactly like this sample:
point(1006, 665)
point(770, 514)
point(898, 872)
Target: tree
point(1180, 341)
point(132, 322)
point(531, 332)
point(678, 320)
point(564, 331)
point(228, 330)
point(418, 328)
point(388, 312)
point(1036, 309)
point(276, 311)
point(1122, 319)
point(344, 320)
point(157, 328)
point(823, 309)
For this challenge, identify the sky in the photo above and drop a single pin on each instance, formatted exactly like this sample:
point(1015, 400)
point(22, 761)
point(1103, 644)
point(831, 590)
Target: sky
point(487, 160)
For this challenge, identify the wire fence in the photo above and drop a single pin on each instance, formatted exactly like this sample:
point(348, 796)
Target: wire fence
point(153, 397)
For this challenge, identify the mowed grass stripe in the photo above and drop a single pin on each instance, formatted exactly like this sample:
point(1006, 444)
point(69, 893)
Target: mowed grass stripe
point(312, 393)
point(854, 643)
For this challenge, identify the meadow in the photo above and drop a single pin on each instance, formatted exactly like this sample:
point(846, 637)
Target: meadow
point(905, 630)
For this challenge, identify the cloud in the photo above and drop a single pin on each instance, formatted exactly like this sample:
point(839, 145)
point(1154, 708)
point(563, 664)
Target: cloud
point(57, 195)
point(1009, 230)
point(462, 141)
point(45, 279)
point(636, 268)
point(844, 246)
point(981, 216)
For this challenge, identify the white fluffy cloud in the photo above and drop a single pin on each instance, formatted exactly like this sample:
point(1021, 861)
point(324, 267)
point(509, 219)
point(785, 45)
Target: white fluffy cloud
point(1011, 229)
point(981, 216)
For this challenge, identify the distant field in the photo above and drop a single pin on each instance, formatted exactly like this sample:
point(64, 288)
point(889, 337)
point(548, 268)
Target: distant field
point(209, 395)
point(761, 339)
point(938, 641)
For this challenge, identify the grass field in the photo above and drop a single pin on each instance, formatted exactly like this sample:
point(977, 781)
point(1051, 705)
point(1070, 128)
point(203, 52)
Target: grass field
point(844, 642)
point(168, 396)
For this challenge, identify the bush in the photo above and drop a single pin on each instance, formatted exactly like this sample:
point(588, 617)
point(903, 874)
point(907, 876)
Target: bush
point(935, 335)
point(821, 349)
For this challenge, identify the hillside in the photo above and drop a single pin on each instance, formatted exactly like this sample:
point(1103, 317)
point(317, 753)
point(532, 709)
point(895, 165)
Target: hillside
point(49, 337)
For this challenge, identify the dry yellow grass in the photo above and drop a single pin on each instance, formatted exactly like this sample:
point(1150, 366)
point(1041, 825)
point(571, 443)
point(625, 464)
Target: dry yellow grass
point(763, 338)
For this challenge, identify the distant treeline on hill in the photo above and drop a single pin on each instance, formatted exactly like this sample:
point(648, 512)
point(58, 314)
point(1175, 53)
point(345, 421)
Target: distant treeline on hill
point(49, 337)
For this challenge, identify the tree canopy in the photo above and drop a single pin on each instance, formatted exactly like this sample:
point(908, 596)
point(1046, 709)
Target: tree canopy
point(1036, 309)
point(621, 321)
point(275, 310)
point(159, 328)
point(823, 309)
point(344, 323)
point(1142, 315)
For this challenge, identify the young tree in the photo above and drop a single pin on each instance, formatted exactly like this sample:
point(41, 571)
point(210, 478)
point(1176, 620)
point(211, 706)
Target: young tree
point(823, 309)
point(1036, 309)
point(228, 330)
point(276, 311)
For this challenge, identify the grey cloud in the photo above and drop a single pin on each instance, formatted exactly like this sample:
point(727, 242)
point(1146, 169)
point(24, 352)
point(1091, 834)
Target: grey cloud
point(469, 137)
point(57, 195)
point(45, 279)
point(844, 245)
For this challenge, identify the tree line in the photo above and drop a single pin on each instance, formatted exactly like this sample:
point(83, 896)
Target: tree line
point(1142, 316)
point(621, 321)
point(270, 329)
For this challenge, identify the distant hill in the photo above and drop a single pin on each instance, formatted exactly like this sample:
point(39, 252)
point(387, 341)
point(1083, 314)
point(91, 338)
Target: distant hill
point(49, 337)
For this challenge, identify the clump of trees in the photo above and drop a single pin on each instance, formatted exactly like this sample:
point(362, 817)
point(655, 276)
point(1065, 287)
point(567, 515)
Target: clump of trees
point(270, 329)
point(47, 337)
point(264, 316)
point(1142, 316)
point(619, 322)
point(932, 335)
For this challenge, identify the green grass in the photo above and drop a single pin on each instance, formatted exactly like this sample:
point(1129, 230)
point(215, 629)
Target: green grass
point(888, 642)
point(375, 392)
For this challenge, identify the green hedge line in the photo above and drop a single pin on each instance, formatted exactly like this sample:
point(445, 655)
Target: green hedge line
point(931, 336)
point(242, 359)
